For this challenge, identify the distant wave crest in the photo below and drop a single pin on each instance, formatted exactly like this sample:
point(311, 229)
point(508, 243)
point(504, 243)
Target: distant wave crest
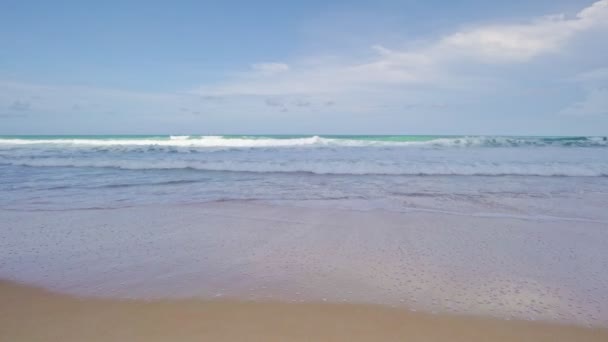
point(179, 137)
point(314, 141)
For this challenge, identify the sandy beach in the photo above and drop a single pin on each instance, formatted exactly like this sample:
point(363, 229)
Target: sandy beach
point(304, 171)
point(31, 314)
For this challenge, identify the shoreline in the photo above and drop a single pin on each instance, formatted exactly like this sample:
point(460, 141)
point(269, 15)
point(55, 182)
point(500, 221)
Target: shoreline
point(266, 252)
point(33, 314)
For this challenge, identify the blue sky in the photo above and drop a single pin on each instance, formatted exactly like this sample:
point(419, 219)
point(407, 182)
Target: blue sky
point(344, 67)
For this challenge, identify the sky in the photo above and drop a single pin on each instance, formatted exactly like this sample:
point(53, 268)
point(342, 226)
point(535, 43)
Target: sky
point(304, 67)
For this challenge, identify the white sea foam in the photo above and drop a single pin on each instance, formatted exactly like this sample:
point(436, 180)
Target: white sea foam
point(179, 137)
point(257, 142)
point(177, 141)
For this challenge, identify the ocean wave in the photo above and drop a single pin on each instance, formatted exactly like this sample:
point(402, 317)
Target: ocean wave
point(175, 141)
point(312, 141)
point(336, 168)
point(179, 137)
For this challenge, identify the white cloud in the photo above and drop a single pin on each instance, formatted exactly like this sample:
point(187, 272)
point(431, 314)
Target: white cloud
point(271, 68)
point(595, 103)
point(514, 43)
point(319, 78)
point(60, 98)
point(521, 42)
point(432, 63)
point(274, 103)
point(595, 75)
point(20, 106)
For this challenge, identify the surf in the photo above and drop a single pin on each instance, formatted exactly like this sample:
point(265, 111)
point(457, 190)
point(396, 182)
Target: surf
point(219, 141)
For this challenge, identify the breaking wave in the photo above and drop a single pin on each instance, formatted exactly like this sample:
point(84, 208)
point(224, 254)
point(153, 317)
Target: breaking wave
point(313, 141)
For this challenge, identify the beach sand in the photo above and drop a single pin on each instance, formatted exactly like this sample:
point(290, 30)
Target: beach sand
point(32, 314)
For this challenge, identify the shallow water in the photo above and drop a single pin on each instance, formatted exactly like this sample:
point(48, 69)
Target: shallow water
point(497, 266)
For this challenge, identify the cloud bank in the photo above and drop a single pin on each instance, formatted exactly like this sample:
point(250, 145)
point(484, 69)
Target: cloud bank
point(435, 63)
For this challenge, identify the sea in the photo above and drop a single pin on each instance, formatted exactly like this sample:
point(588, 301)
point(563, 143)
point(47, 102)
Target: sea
point(369, 171)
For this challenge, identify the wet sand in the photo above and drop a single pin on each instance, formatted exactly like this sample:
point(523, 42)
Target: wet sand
point(32, 314)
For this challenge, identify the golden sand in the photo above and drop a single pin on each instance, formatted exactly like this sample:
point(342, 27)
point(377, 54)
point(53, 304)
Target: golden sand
point(31, 314)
